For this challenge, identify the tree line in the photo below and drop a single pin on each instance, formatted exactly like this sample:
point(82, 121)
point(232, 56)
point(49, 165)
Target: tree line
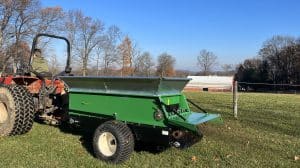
point(277, 62)
point(99, 49)
point(96, 49)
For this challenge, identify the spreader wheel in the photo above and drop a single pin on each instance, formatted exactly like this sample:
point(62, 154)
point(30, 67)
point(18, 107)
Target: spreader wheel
point(16, 110)
point(113, 142)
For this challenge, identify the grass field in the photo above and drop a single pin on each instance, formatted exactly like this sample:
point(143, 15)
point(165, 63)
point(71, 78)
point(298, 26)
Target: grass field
point(267, 134)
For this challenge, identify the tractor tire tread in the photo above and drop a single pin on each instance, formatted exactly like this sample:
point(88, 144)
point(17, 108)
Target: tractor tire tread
point(24, 110)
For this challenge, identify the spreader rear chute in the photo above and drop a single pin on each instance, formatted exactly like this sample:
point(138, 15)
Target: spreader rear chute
point(192, 120)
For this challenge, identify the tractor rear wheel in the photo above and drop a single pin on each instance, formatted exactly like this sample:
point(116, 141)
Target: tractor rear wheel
point(16, 110)
point(113, 142)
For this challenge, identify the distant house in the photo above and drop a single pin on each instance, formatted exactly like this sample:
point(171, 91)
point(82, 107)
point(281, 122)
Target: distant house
point(210, 83)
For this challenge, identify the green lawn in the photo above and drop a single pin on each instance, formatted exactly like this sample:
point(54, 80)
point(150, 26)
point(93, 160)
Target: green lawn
point(267, 134)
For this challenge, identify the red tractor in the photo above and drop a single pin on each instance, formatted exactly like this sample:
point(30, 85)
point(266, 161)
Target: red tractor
point(29, 94)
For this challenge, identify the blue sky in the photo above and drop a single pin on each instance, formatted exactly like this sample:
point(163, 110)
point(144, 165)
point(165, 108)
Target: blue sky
point(233, 29)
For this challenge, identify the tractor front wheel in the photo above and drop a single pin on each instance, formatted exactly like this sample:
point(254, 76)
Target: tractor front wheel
point(16, 110)
point(113, 142)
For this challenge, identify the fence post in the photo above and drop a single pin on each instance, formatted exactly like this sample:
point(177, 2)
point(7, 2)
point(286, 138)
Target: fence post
point(235, 98)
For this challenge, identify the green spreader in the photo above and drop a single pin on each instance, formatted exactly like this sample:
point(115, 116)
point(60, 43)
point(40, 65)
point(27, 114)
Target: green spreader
point(128, 112)
point(151, 109)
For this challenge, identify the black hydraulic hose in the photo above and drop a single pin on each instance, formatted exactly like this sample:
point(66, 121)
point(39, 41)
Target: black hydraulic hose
point(179, 115)
point(194, 104)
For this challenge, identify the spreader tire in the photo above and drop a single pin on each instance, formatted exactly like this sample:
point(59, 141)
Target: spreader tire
point(113, 142)
point(16, 110)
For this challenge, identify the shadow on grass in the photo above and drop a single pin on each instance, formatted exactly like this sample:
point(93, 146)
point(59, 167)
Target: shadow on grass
point(86, 133)
point(150, 148)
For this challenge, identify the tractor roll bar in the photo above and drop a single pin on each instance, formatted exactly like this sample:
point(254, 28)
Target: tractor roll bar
point(34, 44)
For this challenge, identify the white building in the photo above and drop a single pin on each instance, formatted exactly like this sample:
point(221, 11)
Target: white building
point(210, 83)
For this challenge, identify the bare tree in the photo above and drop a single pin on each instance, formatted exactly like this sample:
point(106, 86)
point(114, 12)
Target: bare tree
point(91, 30)
point(50, 20)
point(30, 19)
point(23, 26)
point(70, 25)
point(85, 34)
point(165, 65)
point(136, 52)
point(54, 65)
point(98, 59)
point(109, 47)
point(273, 51)
point(143, 64)
point(21, 20)
point(21, 50)
point(7, 8)
point(183, 73)
point(206, 61)
point(125, 49)
point(228, 69)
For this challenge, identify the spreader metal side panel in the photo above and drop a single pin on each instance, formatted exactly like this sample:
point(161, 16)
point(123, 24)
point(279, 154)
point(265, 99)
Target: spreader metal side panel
point(133, 109)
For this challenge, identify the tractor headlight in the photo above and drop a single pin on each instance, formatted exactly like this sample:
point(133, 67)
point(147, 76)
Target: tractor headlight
point(158, 115)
